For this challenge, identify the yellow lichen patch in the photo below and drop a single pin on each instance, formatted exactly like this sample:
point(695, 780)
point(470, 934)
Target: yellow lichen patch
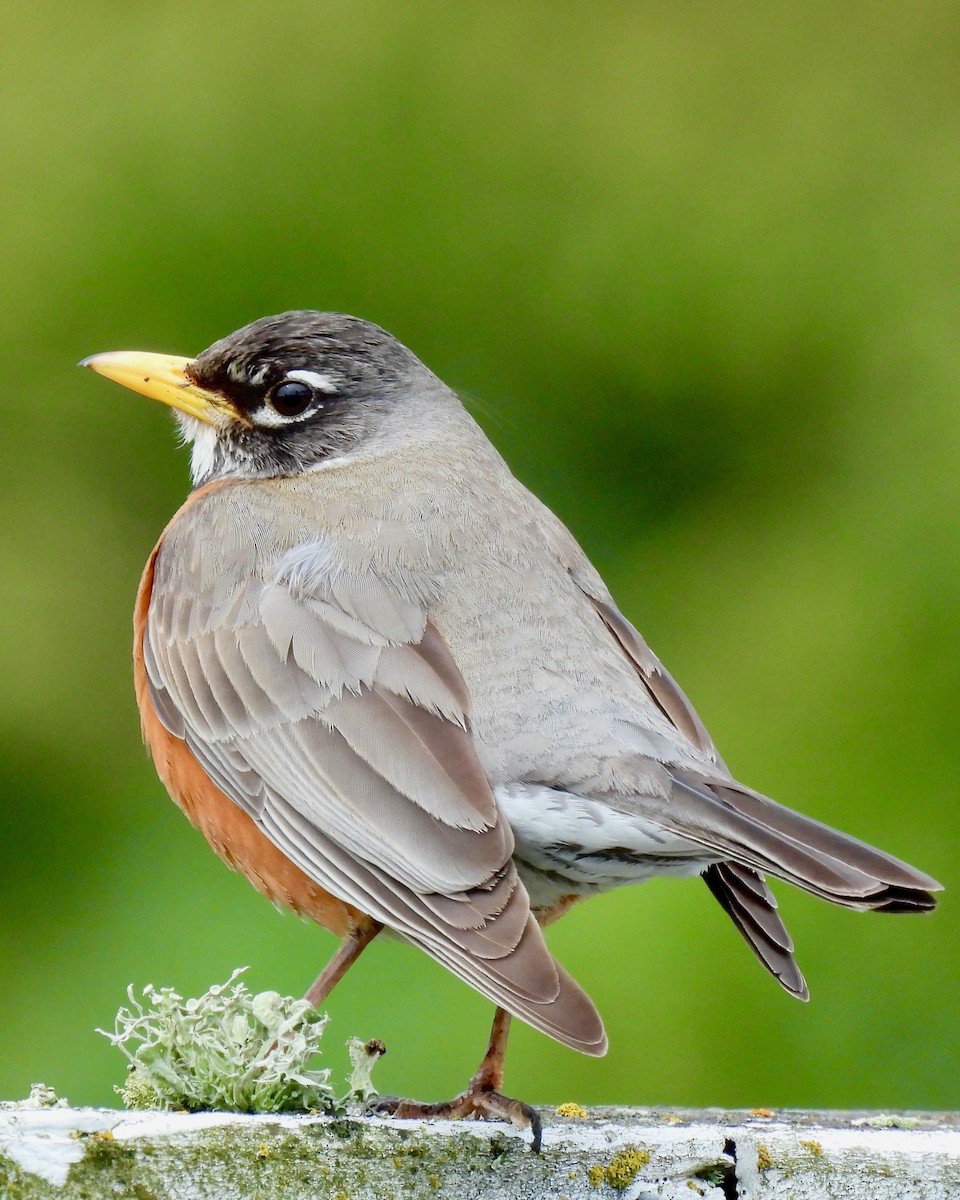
point(103, 1135)
point(814, 1147)
point(621, 1170)
point(764, 1158)
point(570, 1109)
point(263, 1150)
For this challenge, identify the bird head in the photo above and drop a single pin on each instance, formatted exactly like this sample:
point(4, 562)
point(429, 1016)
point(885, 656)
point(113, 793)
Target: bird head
point(282, 395)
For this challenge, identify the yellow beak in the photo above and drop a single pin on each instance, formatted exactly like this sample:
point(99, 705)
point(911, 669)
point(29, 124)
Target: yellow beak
point(162, 377)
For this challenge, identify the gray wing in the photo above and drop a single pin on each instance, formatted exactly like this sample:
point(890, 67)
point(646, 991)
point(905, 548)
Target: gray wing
point(323, 702)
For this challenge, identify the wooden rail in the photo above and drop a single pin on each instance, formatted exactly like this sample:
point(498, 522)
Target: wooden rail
point(633, 1154)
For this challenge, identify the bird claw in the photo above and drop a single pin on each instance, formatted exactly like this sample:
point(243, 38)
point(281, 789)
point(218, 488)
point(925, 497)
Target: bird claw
point(480, 1103)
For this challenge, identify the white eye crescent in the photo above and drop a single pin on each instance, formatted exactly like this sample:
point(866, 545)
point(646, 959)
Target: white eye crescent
point(315, 379)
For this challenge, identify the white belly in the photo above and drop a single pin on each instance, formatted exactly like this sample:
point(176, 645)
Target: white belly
point(569, 844)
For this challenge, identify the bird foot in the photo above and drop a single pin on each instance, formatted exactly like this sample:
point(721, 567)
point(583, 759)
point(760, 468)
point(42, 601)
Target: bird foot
point(479, 1102)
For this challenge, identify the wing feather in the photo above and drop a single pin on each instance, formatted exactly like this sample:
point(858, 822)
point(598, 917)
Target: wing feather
point(422, 755)
point(292, 692)
point(257, 707)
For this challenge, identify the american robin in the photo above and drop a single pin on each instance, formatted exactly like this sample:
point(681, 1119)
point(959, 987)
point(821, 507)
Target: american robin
point(387, 685)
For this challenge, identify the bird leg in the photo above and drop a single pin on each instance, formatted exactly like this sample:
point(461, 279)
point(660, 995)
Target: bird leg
point(347, 954)
point(481, 1100)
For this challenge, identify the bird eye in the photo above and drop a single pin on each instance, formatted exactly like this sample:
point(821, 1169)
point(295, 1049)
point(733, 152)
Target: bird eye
point(291, 398)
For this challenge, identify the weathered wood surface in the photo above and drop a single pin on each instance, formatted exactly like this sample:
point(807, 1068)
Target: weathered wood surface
point(635, 1154)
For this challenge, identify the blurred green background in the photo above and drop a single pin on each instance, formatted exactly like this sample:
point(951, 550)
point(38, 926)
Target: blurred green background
point(699, 263)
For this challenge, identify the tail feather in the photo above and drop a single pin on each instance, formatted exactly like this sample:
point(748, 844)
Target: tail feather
point(748, 890)
point(759, 833)
point(745, 897)
point(904, 900)
point(897, 876)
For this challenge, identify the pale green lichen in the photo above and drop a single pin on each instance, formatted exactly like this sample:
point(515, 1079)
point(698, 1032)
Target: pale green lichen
point(41, 1096)
point(228, 1049)
point(888, 1121)
point(363, 1058)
